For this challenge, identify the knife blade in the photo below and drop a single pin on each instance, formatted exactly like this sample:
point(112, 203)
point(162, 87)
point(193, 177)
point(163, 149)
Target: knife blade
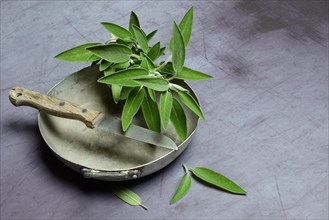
point(93, 119)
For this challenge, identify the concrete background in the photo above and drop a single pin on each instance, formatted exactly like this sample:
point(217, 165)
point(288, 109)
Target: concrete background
point(266, 109)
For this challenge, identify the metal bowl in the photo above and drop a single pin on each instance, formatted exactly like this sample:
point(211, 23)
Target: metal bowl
point(98, 154)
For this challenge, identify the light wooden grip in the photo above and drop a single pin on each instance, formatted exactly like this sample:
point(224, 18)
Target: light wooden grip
point(20, 96)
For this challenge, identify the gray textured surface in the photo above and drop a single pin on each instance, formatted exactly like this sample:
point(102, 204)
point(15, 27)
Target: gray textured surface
point(267, 109)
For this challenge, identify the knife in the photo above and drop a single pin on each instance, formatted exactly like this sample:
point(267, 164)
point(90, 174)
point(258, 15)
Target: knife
point(93, 119)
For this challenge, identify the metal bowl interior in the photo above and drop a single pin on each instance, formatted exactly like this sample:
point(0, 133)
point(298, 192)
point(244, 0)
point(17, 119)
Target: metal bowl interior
point(81, 147)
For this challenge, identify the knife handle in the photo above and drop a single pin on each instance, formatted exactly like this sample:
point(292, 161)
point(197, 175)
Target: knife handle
point(20, 96)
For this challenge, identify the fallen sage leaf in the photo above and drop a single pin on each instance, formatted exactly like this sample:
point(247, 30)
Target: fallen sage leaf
point(128, 196)
point(182, 189)
point(218, 180)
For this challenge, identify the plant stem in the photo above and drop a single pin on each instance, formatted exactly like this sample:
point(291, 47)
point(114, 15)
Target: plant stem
point(172, 77)
point(186, 168)
point(165, 63)
point(143, 206)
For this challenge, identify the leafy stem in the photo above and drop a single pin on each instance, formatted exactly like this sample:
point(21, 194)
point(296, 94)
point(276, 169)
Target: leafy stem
point(128, 61)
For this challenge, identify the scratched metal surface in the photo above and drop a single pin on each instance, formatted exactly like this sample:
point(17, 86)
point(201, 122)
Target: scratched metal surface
point(266, 110)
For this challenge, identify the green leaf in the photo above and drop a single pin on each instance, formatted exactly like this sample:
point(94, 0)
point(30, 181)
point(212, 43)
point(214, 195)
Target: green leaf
point(186, 26)
point(190, 74)
point(124, 42)
point(115, 53)
point(218, 180)
point(189, 101)
point(178, 50)
point(116, 92)
point(144, 63)
point(151, 114)
point(146, 59)
point(125, 92)
point(154, 83)
point(104, 65)
point(166, 102)
point(117, 30)
point(128, 196)
point(124, 75)
point(109, 71)
point(151, 93)
point(178, 119)
point(133, 21)
point(154, 52)
point(182, 189)
point(151, 35)
point(176, 87)
point(125, 82)
point(131, 107)
point(141, 38)
point(185, 74)
point(162, 51)
point(78, 54)
point(123, 65)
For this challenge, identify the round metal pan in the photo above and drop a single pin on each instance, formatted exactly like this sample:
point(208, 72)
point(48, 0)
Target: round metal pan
point(101, 155)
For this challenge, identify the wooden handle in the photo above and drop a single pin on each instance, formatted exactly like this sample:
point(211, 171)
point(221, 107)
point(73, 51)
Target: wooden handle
point(20, 96)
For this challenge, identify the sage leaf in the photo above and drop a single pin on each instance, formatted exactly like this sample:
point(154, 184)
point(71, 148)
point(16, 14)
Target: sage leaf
point(131, 107)
point(151, 93)
point(154, 83)
point(190, 102)
point(78, 54)
point(133, 21)
point(154, 52)
point(115, 53)
point(124, 42)
point(178, 119)
point(178, 50)
point(124, 82)
point(141, 38)
point(109, 71)
point(166, 102)
point(128, 196)
point(151, 114)
point(176, 87)
point(116, 92)
point(190, 74)
point(117, 30)
point(123, 65)
point(124, 77)
point(162, 51)
point(144, 63)
point(186, 28)
point(125, 92)
point(218, 180)
point(104, 65)
point(150, 63)
point(182, 189)
point(185, 74)
point(151, 35)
